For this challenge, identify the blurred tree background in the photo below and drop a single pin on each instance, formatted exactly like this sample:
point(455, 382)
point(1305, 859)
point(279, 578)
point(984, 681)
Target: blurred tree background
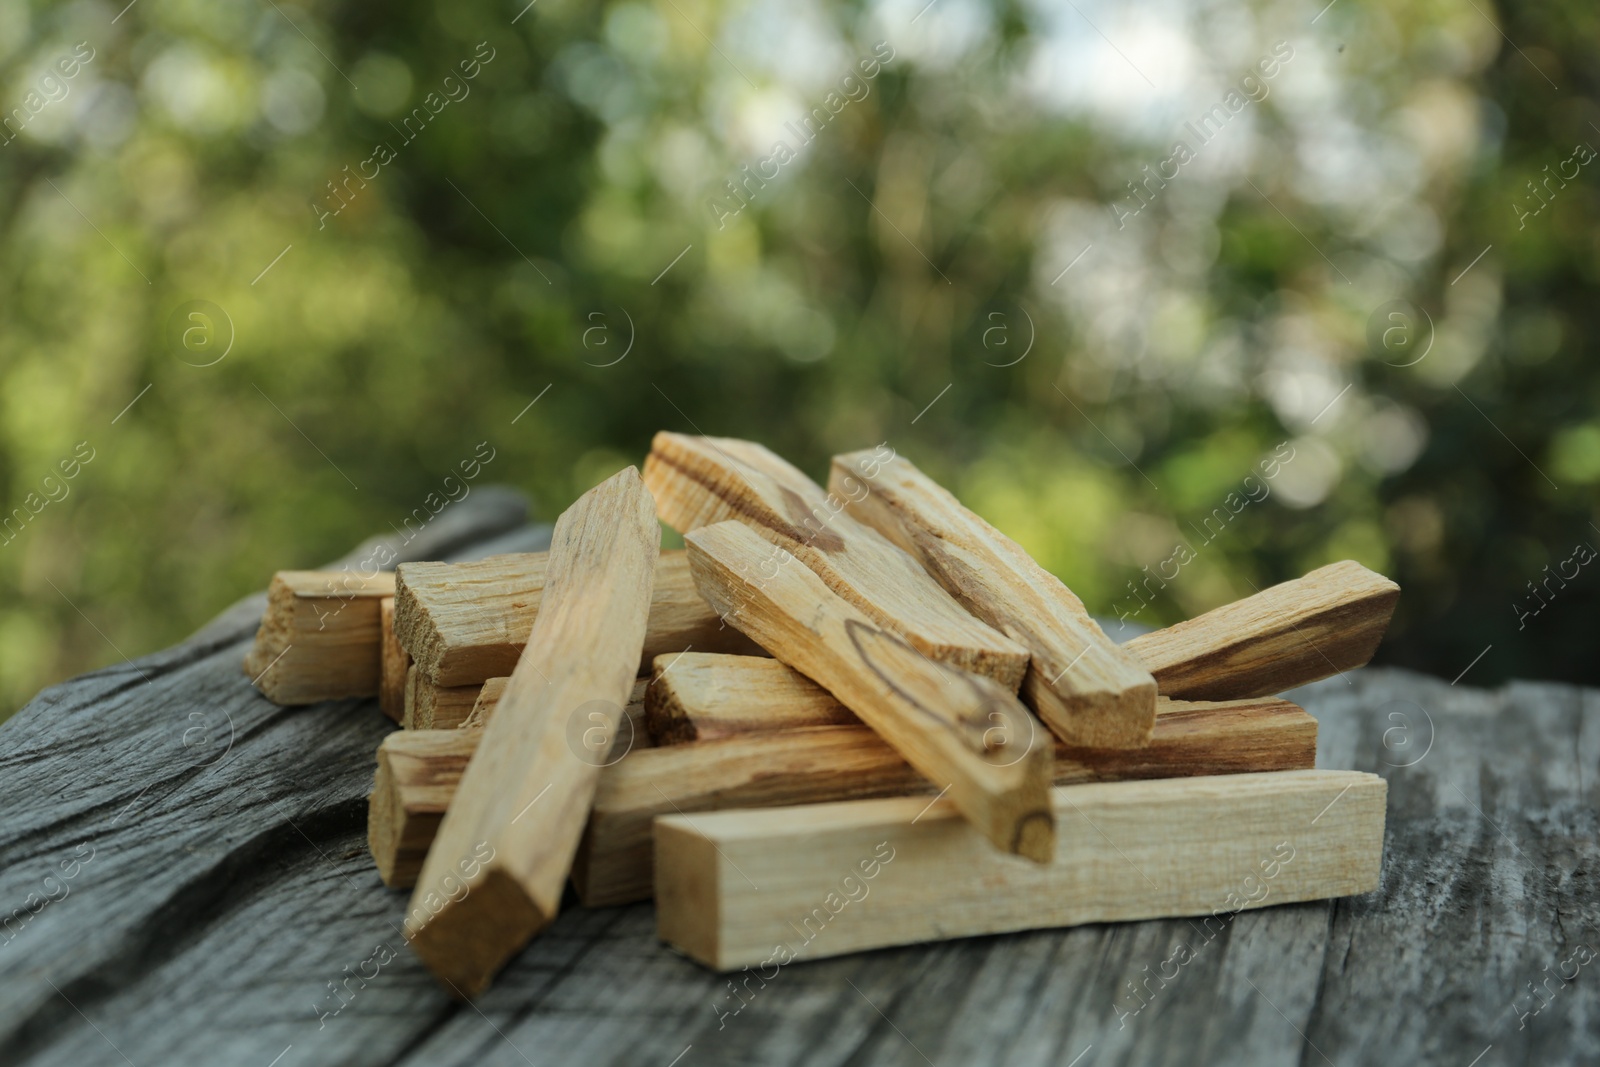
point(1379, 260)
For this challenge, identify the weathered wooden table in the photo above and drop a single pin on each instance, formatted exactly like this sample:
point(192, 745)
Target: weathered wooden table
point(184, 878)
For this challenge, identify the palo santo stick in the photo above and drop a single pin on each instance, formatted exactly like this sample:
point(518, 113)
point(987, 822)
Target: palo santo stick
point(464, 623)
point(698, 481)
point(418, 771)
point(839, 878)
point(701, 697)
point(436, 707)
point(576, 670)
point(393, 664)
point(1290, 634)
point(963, 731)
point(1085, 688)
point(319, 638)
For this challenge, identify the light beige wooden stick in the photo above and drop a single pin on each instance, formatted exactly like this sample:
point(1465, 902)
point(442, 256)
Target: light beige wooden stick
point(963, 731)
point(418, 773)
point(742, 888)
point(1085, 688)
point(465, 623)
point(766, 767)
point(436, 707)
point(494, 875)
point(393, 665)
point(319, 638)
point(698, 481)
point(1291, 634)
point(701, 697)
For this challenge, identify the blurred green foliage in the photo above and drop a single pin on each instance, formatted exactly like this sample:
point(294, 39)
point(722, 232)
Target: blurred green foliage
point(939, 266)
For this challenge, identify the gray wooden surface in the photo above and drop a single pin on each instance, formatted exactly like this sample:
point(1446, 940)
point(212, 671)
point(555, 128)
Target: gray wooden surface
point(229, 886)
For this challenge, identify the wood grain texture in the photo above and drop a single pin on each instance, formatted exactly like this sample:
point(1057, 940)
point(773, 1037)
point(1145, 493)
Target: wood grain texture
point(1080, 683)
point(773, 764)
point(1291, 634)
point(577, 667)
point(484, 706)
point(321, 636)
point(698, 481)
point(740, 888)
point(436, 707)
point(701, 697)
point(464, 623)
point(963, 731)
point(231, 883)
point(393, 663)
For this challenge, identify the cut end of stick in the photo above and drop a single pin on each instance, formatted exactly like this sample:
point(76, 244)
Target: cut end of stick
point(693, 919)
point(1036, 836)
point(384, 823)
point(394, 663)
point(1123, 718)
point(466, 947)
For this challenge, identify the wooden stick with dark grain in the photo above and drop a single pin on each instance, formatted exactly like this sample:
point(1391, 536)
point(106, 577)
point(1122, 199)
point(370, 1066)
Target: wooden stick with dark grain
point(1082, 685)
point(1290, 634)
point(963, 731)
point(698, 481)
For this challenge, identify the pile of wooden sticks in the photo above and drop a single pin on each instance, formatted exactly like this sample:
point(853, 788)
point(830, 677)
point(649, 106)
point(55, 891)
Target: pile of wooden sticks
point(840, 719)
